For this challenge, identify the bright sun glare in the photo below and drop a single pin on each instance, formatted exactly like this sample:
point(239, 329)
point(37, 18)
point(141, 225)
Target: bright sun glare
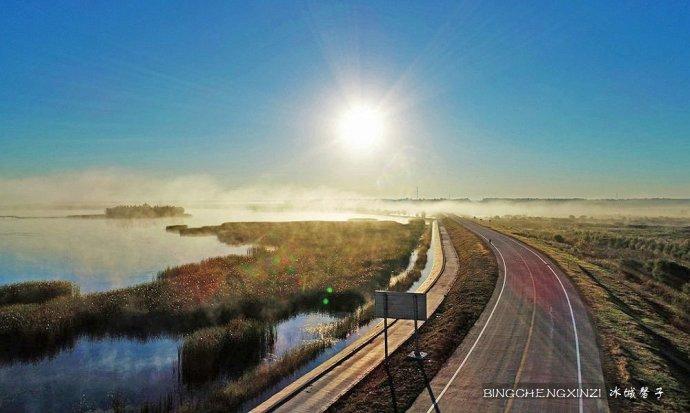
point(361, 128)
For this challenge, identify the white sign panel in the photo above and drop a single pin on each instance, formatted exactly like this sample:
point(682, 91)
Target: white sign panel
point(400, 305)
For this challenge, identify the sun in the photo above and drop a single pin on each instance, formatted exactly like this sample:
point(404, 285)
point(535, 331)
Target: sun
point(361, 128)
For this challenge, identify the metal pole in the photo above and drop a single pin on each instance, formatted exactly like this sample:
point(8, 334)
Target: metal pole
point(385, 344)
point(416, 336)
point(385, 326)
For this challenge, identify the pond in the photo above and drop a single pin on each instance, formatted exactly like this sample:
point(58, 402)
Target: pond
point(90, 374)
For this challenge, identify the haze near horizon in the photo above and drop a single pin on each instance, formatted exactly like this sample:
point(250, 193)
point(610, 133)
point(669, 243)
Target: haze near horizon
point(356, 99)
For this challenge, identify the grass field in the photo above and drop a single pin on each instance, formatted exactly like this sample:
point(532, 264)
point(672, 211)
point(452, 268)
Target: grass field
point(634, 275)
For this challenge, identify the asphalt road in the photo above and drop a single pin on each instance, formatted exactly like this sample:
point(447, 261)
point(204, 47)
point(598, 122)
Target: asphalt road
point(534, 334)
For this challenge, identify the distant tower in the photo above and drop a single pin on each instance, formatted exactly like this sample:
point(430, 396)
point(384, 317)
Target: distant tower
point(417, 192)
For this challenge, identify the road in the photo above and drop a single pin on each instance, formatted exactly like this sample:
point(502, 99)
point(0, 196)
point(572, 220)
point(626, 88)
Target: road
point(325, 384)
point(534, 331)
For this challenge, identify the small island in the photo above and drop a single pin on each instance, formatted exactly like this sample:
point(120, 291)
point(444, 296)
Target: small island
point(139, 211)
point(144, 211)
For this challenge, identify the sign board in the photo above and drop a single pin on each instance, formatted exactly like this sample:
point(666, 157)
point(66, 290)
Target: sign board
point(400, 305)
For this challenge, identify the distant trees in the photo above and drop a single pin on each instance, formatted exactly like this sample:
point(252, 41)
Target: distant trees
point(144, 211)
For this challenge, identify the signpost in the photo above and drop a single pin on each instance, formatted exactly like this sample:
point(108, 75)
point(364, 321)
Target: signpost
point(404, 306)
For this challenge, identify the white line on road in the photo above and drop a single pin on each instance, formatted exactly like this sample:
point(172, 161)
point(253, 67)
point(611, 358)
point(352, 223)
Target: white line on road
point(572, 317)
point(505, 275)
point(577, 341)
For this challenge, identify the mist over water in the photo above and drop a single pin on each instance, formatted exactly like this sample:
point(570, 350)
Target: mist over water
point(105, 187)
point(102, 254)
point(99, 254)
point(96, 254)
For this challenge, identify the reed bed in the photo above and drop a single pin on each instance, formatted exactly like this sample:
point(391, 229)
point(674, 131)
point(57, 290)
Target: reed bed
point(365, 313)
point(230, 349)
point(315, 266)
point(252, 383)
point(35, 292)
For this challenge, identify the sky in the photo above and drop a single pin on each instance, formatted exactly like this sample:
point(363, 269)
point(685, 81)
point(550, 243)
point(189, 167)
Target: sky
point(517, 99)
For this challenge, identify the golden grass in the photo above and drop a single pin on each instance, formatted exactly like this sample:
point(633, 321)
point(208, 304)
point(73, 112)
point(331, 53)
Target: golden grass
point(310, 266)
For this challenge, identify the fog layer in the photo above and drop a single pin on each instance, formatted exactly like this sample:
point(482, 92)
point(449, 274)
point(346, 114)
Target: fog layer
point(107, 187)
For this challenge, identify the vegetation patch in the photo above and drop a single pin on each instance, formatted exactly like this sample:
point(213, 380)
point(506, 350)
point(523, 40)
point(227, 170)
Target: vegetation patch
point(252, 383)
point(439, 336)
point(229, 349)
point(364, 314)
point(229, 303)
point(34, 292)
point(144, 211)
point(138, 211)
point(632, 273)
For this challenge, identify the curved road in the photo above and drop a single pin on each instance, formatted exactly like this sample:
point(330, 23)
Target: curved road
point(534, 333)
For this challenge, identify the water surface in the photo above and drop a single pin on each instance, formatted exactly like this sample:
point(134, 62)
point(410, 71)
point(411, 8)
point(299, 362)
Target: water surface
point(102, 254)
point(90, 374)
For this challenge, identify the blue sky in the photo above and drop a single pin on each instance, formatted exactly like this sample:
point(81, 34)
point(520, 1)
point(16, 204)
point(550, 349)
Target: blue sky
point(542, 99)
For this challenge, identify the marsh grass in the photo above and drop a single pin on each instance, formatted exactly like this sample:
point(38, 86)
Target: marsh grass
point(313, 266)
point(365, 313)
point(252, 383)
point(230, 349)
point(35, 292)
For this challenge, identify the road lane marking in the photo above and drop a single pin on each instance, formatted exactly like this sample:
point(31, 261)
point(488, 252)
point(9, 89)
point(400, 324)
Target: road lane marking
point(505, 275)
point(577, 341)
point(523, 359)
point(572, 317)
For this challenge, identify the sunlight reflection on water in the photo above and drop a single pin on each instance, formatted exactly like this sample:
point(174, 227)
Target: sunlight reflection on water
point(101, 254)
